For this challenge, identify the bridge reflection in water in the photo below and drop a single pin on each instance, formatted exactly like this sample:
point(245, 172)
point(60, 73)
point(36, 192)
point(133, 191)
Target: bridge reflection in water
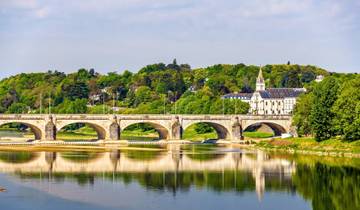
point(172, 168)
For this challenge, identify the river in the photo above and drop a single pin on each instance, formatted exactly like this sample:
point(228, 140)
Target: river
point(190, 177)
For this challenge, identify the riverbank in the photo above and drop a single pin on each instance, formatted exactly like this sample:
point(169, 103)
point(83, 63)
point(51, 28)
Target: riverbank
point(86, 136)
point(331, 147)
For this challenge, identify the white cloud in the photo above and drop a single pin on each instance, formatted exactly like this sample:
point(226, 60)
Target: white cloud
point(42, 12)
point(258, 8)
point(180, 26)
point(22, 4)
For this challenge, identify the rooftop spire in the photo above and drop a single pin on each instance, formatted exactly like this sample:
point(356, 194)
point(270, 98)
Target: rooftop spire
point(260, 82)
point(260, 78)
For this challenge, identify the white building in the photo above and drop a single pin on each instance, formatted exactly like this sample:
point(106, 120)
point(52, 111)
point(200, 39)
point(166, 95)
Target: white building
point(319, 78)
point(269, 101)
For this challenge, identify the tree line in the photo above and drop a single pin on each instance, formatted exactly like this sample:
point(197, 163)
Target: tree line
point(330, 108)
point(154, 89)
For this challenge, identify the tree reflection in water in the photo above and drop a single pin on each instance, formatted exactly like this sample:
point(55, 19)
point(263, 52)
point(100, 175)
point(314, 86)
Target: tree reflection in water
point(327, 185)
point(17, 157)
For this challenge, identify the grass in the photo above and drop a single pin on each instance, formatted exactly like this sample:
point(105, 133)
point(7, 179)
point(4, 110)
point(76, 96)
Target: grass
point(140, 132)
point(191, 134)
point(67, 136)
point(310, 144)
point(88, 133)
point(256, 134)
point(84, 133)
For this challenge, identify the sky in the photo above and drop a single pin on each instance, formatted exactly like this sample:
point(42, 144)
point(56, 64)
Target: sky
point(115, 35)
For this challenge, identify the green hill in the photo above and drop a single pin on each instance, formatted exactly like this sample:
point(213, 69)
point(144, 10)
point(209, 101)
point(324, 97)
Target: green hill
point(156, 88)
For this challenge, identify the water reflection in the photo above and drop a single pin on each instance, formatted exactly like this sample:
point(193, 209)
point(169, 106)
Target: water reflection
point(79, 156)
point(179, 169)
point(17, 157)
point(329, 187)
point(173, 168)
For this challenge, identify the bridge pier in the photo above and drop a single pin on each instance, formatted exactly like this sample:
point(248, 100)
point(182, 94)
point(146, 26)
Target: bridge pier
point(176, 129)
point(114, 131)
point(50, 130)
point(236, 131)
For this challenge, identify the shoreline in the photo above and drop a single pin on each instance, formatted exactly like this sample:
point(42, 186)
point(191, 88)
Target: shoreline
point(311, 152)
point(289, 146)
point(305, 145)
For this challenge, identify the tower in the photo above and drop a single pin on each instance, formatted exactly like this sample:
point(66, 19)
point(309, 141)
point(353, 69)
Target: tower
point(260, 82)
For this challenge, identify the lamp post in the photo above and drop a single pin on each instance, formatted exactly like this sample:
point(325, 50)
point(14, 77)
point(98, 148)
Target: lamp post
point(169, 92)
point(50, 103)
point(223, 106)
point(41, 103)
point(164, 104)
point(103, 100)
point(113, 108)
point(175, 100)
point(236, 106)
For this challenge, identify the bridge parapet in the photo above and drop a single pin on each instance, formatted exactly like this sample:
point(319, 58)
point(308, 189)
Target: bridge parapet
point(110, 126)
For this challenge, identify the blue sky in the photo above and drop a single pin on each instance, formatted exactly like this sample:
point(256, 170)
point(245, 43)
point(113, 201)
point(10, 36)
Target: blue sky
point(114, 35)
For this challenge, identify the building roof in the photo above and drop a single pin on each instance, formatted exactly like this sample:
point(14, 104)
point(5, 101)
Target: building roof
point(281, 92)
point(268, 93)
point(242, 96)
point(260, 78)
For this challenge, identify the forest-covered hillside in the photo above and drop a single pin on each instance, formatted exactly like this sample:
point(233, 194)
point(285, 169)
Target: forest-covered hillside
point(156, 88)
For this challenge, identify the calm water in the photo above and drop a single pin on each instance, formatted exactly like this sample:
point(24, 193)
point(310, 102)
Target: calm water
point(176, 177)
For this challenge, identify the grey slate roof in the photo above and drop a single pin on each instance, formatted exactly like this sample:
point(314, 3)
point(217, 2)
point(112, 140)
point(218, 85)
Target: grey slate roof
point(268, 93)
point(281, 92)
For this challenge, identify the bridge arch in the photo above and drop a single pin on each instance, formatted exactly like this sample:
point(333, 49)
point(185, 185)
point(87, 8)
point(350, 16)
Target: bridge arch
point(221, 130)
point(275, 127)
point(35, 129)
point(163, 132)
point(100, 130)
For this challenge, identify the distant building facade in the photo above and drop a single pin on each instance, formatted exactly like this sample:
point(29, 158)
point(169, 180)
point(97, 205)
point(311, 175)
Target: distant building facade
point(269, 101)
point(319, 78)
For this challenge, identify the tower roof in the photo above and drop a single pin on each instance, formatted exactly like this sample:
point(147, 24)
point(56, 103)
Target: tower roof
point(260, 78)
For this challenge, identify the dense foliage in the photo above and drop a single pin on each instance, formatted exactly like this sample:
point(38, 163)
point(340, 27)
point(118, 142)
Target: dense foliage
point(330, 108)
point(156, 88)
point(321, 117)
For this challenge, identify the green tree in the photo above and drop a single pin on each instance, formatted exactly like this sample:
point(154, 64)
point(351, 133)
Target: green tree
point(291, 79)
point(321, 117)
point(203, 128)
point(302, 111)
point(18, 108)
point(142, 94)
point(77, 90)
point(307, 76)
point(347, 110)
point(79, 106)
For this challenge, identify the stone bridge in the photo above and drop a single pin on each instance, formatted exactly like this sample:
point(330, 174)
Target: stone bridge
point(169, 127)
